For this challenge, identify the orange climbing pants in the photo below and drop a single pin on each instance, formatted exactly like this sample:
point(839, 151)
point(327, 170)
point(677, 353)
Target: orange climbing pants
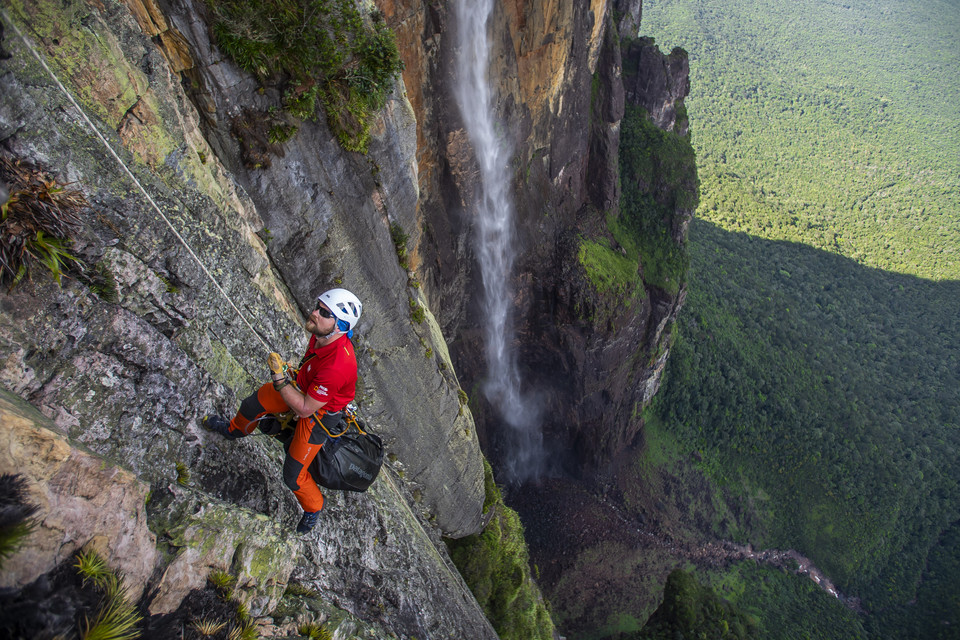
point(307, 441)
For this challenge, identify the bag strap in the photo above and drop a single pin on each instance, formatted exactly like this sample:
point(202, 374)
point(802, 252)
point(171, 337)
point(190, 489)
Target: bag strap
point(309, 355)
point(338, 415)
point(352, 421)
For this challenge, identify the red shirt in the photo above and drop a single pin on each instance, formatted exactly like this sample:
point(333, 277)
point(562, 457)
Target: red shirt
point(330, 376)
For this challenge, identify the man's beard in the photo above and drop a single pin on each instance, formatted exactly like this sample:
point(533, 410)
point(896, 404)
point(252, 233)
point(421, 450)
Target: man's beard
point(312, 328)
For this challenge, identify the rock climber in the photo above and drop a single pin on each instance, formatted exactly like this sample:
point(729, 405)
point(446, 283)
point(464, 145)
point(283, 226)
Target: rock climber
point(325, 384)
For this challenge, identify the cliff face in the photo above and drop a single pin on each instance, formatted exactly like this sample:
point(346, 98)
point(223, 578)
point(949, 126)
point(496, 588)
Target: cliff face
point(274, 223)
point(128, 381)
point(595, 360)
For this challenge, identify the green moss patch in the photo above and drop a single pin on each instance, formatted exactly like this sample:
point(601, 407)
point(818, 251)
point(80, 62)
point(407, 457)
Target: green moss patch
point(611, 272)
point(690, 610)
point(324, 52)
point(659, 188)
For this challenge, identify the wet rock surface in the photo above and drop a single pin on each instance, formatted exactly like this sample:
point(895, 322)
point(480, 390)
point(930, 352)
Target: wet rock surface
point(559, 92)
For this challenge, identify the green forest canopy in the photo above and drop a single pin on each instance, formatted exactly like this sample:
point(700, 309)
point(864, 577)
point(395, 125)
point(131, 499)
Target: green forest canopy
point(834, 124)
point(819, 353)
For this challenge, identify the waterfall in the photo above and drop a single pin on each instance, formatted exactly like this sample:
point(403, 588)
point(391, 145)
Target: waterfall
point(496, 250)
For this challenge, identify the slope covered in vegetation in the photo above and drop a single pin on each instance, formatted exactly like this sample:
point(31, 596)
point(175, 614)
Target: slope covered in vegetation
point(496, 565)
point(689, 609)
point(828, 123)
point(816, 367)
point(827, 393)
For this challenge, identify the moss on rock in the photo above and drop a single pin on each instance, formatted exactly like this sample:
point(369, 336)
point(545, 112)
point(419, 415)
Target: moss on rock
point(611, 272)
point(202, 534)
point(323, 52)
point(496, 566)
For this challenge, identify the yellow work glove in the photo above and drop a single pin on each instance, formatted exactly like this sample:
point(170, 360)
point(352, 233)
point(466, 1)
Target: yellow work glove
point(276, 363)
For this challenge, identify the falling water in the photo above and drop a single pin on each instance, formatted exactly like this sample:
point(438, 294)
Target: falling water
point(495, 243)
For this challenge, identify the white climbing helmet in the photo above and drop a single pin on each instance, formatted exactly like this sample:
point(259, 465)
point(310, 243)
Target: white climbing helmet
point(345, 306)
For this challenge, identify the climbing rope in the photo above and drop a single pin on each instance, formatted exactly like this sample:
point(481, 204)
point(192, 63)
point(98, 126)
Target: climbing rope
point(123, 166)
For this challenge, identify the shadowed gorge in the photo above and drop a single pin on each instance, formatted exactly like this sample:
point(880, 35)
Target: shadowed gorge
point(847, 446)
point(811, 401)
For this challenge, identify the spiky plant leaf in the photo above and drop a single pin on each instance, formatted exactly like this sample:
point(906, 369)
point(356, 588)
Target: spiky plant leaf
point(245, 631)
point(223, 582)
point(208, 627)
point(118, 617)
point(38, 221)
point(183, 474)
point(297, 589)
point(315, 631)
point(93, 568)
point(16, 514)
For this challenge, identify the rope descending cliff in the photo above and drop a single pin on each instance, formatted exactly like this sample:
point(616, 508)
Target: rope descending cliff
point(126, 170)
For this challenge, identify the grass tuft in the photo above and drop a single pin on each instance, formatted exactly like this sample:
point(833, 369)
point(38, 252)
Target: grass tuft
point(280, 133)
point(92, 568)
point(223, 582)
point(183, 474)
point(297, 589)
point(400, 238)
point(118, 617)
point(16, 514)
point(417, 314)
point(243, 611)
point(103, 283)
point(315, 631)
point(245, 631)
point(208, 627)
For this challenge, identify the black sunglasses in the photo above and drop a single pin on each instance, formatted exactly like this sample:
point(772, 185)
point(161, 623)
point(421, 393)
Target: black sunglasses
point(323, 311)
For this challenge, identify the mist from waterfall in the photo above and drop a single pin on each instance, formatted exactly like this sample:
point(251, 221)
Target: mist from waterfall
point(524, 455)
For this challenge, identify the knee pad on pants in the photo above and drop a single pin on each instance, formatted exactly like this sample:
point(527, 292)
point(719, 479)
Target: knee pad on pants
point(250, 408)
point(291, 471)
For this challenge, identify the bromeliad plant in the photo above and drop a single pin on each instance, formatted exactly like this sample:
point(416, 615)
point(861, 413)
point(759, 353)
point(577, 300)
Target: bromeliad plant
point(16, 514)
point(315, 631)
point(92, 568)
point(117, 617)
point(37, 222)
point(223, 582)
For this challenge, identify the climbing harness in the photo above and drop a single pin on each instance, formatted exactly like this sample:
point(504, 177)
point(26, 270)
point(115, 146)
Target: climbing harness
point(350, 461)
point(350, 417)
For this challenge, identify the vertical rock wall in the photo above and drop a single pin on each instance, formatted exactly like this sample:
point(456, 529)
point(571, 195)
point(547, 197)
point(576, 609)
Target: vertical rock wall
point(557, 74)
point(129, 379)
point(277, 223)
point(317, 217)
